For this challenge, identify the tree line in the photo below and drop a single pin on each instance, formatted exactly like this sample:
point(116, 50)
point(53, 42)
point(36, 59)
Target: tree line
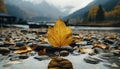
point(99, 14)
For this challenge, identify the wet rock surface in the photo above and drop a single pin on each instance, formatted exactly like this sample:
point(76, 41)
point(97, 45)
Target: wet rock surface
point(92, 60)
point(4, 51)
point(64, 53)
point(40, 58)
point(60, 63)
point(90, 49)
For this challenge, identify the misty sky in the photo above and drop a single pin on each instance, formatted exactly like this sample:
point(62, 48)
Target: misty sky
point(65, 5)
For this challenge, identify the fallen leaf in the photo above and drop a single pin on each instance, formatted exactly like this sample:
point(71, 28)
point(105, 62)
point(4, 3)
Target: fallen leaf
point(59, 35)
point(24, 49)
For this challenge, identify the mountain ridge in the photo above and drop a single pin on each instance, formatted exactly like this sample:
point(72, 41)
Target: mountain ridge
point(30, 10)
point(107, 4)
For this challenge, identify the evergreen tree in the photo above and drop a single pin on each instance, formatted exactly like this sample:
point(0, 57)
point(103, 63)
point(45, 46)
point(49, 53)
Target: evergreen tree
point(100, 15)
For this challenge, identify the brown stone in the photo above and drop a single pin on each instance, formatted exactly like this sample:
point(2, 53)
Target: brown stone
point(58, 59)
point(64, 53)
point(60, 63)
point(64, 62)
point(54, 68)
point(42, 52)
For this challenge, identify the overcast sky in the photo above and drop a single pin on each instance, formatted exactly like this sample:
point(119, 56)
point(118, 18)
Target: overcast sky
point(66, 4)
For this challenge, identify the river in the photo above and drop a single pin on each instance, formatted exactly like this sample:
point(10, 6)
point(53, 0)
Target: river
point(80, 27)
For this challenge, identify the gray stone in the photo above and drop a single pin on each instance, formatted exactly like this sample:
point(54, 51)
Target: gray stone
point(4, 52)
point(92, 60)
point(40, 58)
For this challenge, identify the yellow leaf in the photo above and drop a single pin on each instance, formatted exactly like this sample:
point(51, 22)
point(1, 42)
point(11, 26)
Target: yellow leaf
point(24, 49)
point(59, 34)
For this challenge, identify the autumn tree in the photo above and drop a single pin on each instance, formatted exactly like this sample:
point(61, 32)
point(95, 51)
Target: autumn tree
point(116, 12)
point(113, 15)
point(100, 15)
point(92, 13)
point(2, 6)
point(109, 16)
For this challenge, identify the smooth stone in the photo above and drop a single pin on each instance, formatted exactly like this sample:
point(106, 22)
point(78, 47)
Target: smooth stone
point(40, 58)
point(98, 50)
point(92, 60)
point(4, 52)
point(106, 55)
point(75, 52)
point(87, 50)
point(51, 50)
point(116, 52)
point(7, 45)
point(82, 43)
point(24, 31)
point(13, 48)
point(109, 41)
point(20, 44)
point(64, 53)
point(23, 57)
point(60, 63)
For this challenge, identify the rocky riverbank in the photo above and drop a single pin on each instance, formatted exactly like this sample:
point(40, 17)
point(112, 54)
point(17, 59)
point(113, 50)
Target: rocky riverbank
point(20, 47)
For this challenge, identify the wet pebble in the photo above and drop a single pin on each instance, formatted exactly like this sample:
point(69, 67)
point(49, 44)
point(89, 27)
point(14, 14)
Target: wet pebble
point(23, 57)
point(60, 63)
point(20, 44)
point(64, 53)
point(92, 60)
point(4, 52)
point(40, 58)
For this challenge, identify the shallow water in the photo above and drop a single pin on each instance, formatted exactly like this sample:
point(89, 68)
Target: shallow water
point(77, 62)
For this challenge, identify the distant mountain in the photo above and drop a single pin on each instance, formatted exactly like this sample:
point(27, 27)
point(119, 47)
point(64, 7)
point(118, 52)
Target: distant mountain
point(28, 10)
point(107, 4)
point(2, 7)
